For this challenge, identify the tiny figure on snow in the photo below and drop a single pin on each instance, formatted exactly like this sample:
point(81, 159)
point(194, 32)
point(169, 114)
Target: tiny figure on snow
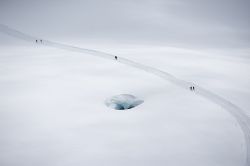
point(191, 88)
point(115, 57)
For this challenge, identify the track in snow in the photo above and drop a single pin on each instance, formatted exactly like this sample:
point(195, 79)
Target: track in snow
point(235, 111)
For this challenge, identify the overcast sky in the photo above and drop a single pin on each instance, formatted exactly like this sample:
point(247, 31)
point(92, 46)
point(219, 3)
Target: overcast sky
point(187, 23)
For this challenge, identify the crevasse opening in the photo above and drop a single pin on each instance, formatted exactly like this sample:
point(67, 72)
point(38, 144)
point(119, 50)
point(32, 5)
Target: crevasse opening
point(123, 102)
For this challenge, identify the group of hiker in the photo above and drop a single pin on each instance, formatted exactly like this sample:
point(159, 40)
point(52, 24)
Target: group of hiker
point(191, 88)
point(116, 58)
point(40, 41)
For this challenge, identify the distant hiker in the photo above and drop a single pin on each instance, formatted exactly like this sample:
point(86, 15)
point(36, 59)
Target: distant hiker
point(115, 57)
point(36, 41)
point(41, 41)
point(191, 88)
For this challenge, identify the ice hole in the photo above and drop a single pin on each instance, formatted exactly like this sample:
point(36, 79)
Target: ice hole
point(123, 102)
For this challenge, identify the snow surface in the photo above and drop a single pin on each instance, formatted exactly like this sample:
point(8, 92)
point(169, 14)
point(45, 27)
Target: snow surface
point(52, 110)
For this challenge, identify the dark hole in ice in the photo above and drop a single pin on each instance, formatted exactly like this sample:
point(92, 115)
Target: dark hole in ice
point(123, 102)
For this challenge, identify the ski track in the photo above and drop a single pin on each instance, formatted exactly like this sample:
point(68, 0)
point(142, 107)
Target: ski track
point(241, 117)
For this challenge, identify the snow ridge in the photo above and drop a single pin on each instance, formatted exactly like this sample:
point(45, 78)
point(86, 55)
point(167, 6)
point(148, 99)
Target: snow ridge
point(241, 117)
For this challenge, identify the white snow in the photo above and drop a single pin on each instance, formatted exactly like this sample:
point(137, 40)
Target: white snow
point(52, 110)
